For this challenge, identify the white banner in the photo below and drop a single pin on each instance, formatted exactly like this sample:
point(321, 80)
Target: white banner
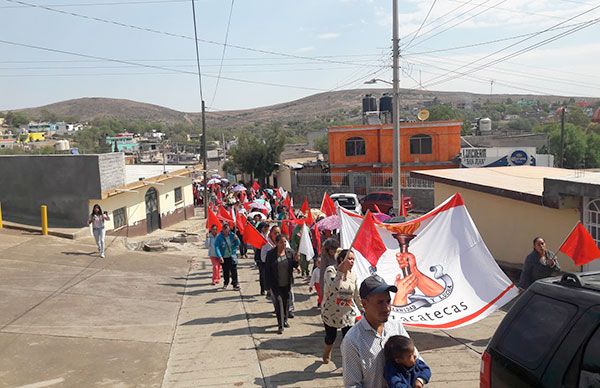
point(456, 280)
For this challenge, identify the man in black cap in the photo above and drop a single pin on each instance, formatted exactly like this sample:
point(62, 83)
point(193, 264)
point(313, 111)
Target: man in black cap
point(362, 347)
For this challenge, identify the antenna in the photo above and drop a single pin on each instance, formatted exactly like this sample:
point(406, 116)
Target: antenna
point(423, 114)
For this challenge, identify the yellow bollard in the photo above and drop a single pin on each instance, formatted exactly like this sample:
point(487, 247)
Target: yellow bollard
point(44, 220)
point(1, 215)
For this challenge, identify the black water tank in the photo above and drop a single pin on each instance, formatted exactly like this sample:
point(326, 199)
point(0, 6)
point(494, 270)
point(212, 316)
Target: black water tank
point(385, 103)
point(369, 103)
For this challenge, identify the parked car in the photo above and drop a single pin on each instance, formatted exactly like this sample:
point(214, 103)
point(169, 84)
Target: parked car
point(348, 201)
point(384, 201)
point(549, 338)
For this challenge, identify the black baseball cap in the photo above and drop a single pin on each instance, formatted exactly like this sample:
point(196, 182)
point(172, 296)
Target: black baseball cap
point(375, 284)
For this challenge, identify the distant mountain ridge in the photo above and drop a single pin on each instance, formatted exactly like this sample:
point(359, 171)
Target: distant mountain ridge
point(322, 106)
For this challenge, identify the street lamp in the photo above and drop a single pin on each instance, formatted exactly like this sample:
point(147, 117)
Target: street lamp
point(375, 80)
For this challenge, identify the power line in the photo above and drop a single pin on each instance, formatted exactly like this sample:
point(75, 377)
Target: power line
point(459, 23)
point(526, 49)
point(223, 53)
point(101, 4)
point(144, 29)
point(436, 19)
point(521, 12)
point(157, 67)
point(487, 42)
point(422, 23)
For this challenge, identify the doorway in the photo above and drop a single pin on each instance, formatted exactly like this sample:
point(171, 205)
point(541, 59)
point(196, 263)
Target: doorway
point(152, 211)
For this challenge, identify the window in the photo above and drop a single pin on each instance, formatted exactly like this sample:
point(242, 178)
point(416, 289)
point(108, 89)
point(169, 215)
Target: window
point(119, 217)
point(178, 195)
point(420, 144)
point(355, 146)
point(536, 329)
point(590, 365)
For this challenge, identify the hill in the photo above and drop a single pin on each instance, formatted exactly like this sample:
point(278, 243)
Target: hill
point(345, 104)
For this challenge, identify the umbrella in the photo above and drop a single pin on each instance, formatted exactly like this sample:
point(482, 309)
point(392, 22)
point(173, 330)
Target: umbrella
point(258, 205)
point(382, 217)
point(330, 223)
point(225, 180)
point(269, 191)
point(213, 181)
point(251, 215)
point(238, 188)
point(215, 176)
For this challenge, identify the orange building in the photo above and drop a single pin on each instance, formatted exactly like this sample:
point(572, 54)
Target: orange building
point(369, 148)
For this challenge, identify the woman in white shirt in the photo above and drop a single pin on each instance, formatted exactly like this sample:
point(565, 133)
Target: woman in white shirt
point(341, 300)
point(97, 219)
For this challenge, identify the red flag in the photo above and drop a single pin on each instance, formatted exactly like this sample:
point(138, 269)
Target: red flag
point(318, 238)
point(255, 186)
point(292, 215)
point(240, 222)
point(213, 220)
point(368, 241)
point(285, 228)
point(224, 215)
point(376, 208)
point(309, 218)
point(252, 237)
point(287, 202)
point(327, 205)
point(580, 246)
point(305, 206)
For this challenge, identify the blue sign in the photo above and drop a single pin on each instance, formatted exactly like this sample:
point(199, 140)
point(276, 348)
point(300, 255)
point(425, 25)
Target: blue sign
point(519, 158)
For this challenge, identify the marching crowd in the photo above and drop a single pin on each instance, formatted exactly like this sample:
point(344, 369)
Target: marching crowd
point(376, 351)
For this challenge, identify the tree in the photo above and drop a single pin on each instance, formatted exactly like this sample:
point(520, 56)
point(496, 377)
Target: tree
point(592, 154)
point(576, 115)
point(521, 124)
point(16, 119)
point(257, 152)
point(575, 145)
point(443, 112)
point(322, 144)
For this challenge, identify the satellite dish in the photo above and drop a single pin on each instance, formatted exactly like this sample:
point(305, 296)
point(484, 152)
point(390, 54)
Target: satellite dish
point(423, 114)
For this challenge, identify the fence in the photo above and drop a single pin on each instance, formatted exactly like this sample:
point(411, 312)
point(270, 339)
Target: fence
point(313, 185)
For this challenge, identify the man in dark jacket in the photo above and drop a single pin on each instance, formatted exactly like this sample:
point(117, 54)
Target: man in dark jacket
point(279, 272)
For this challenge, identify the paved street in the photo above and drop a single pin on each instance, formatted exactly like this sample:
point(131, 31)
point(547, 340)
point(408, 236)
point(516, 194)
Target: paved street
point(135, 318)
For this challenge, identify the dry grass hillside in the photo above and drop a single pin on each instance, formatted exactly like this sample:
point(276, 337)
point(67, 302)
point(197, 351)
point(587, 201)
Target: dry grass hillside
point(322, 106)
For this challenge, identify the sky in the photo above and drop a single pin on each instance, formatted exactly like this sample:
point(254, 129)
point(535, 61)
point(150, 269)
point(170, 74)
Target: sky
point(281, 50)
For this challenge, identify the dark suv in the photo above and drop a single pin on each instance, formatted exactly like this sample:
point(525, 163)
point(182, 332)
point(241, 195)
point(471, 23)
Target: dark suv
point(549, 338)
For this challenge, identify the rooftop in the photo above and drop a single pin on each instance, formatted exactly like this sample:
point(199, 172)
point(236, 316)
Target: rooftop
point(133, 172)
point(524, 183)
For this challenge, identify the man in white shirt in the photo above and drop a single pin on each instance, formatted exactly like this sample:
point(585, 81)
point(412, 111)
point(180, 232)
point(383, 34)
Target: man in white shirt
point(362, 347)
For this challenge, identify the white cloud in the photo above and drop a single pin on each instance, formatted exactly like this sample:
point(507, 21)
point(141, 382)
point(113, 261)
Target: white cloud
point(328, 35)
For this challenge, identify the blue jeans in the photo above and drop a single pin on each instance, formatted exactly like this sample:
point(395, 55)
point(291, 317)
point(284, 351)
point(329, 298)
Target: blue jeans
point(99, 236)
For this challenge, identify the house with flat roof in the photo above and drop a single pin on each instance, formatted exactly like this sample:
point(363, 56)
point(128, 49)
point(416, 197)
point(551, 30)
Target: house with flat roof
point(512, 205)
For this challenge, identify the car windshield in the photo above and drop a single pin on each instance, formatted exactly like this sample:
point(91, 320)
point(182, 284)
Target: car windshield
point(346, 201)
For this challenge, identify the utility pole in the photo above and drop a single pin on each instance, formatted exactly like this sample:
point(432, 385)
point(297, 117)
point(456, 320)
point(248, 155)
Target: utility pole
point(396, 170)
point(562, 137)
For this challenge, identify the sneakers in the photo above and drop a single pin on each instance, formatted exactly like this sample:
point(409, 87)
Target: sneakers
point(285, 324)
point(224, 287)
point(280, 330)
point(291, 314)
point(102, 255)
point(236, 288)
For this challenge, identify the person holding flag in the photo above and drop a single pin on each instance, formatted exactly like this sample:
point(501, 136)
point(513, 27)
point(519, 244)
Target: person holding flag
point(211, 237)
point(226, 246)
point(540, 263)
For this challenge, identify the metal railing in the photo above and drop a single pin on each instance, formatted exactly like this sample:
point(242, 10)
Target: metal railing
point(359, 181)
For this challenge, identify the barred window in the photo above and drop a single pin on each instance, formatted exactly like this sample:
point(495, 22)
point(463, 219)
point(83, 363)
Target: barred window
point(420, 144)
point(119, 217)
point(355, 146)
point(178, 195)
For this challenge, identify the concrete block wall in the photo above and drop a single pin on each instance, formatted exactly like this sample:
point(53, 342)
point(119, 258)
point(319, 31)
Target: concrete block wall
point(112, 170)
point(64, 183)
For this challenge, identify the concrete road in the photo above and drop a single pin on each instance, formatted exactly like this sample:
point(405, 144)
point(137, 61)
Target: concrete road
point(69, 318)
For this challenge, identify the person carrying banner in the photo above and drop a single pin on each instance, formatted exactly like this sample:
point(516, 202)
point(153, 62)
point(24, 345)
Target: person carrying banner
point(341, 300)
point(362, 348)
point(540, 263)
point(209, 244)
point(226, 246)
point(279, 275)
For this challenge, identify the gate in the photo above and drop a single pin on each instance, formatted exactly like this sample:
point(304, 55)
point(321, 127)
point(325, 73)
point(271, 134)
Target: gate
point(152, 213)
